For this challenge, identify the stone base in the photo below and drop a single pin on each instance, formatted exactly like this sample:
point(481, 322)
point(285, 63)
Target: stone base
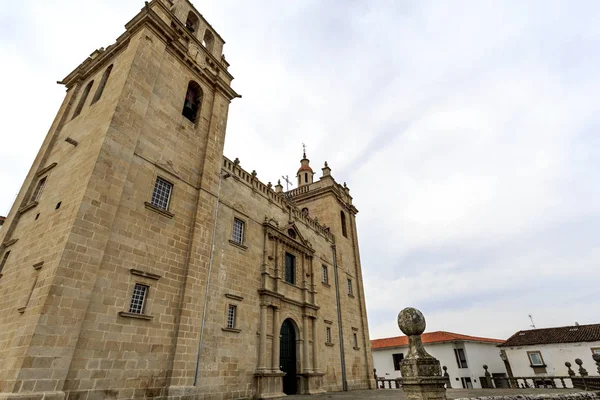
point(269, 384)
point(311, 382)
point(33, 396)
point(424, 388)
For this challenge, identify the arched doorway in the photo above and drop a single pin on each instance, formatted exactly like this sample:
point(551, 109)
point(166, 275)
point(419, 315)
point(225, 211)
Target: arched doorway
point(287, 356)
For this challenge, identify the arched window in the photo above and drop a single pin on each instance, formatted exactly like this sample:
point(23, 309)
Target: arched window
point(191, 22)
point(193, 101)
point(102, 84)
point(306, 177)
point(343, 218)
point(209, 40)
point(305, 211)
point(84, 96)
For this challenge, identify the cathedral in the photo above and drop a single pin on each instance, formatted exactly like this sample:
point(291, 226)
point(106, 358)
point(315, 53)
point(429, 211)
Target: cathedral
point(139, 262)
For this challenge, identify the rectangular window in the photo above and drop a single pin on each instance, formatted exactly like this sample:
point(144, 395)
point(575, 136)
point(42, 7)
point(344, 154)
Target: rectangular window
point(290, 268)
point(325, 278)
point(349, 287)
point(38, 190)
point(397, 358)
point(535, 358)
point(327, 335)
point(231, 311)
point(138, 300)
point(466, 383)
point(461, 358)
point(3, 262)
point(355, 341)
point(595, 350)
point(162, 193)
point(238, 231)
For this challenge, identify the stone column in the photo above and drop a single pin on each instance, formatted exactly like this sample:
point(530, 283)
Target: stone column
point(306, 361)
point(263, 338)
point(315, 348)
point(275, 351)
point(421, 373)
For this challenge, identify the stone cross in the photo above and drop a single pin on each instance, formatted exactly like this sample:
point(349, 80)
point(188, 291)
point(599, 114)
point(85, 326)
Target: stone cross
point(421, 373)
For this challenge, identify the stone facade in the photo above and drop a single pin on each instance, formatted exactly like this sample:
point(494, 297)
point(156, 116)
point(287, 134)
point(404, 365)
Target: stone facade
point(85, 231)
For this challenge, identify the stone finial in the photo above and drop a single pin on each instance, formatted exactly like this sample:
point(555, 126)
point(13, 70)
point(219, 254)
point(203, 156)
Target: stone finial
point(269, 186)
point(582, 371)
point(570, 371)
point(326, 170)
point(254, 173)
point(445, 371)
point(412, 323)
point(487, 373)
point(236, 161)
point(278, 187)
point(596, 357)
point(421, 373)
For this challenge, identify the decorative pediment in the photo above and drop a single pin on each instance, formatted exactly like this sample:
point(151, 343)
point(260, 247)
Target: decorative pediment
point(288, 234)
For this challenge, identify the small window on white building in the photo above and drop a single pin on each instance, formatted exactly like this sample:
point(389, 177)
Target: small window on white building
point(595, 350)
point(535, 358)
point(138, 300)
point(461, 358)
point(397, 358)
point(162, 193)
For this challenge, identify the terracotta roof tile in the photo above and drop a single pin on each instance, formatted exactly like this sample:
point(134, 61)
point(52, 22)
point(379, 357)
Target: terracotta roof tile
point(563, 334)
point(430, 337)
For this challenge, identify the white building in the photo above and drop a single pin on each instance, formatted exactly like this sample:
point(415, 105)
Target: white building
point(543, 352)
point(463, 355)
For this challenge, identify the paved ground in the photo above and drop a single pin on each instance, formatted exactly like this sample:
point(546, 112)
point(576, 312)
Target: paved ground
point(398, 394)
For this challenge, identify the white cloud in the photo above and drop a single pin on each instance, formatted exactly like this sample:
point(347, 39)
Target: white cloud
point(467, 133)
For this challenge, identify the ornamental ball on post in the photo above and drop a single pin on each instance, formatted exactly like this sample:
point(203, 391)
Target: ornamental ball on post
point(411, 321)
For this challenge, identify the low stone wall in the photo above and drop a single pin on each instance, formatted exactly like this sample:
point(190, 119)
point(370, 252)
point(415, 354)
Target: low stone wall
point(555, 396)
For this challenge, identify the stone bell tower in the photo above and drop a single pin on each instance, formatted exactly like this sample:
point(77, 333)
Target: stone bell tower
point(305, 173)
point(109, 209)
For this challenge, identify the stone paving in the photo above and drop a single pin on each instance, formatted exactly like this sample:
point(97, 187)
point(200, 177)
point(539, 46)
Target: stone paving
point(384, 394)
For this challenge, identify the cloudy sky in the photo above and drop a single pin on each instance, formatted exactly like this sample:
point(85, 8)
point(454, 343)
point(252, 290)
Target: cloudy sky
point(468, 133)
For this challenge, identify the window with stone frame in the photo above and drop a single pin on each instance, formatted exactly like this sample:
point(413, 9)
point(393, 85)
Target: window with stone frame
point(325, 274)
point(231, 316)
point(290, 268)
point(37, 193)
point(535, 359)
point(161, 196)
point(343, 220)
point(328, 335)
point(138, 299)
point(350, 290)
point(238, 231)
point(3, 262)
point(355, 338)
point(102, 84)
point(84, 96)
point(595, 350)
point(397, 359)
point(192, 101)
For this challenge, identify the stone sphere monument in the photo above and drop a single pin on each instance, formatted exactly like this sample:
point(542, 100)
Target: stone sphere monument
point(421, 373)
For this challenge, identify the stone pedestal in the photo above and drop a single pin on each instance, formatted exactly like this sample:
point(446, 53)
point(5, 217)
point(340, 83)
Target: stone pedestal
point(421, 373)
point(269, 384)
point(311, 383)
